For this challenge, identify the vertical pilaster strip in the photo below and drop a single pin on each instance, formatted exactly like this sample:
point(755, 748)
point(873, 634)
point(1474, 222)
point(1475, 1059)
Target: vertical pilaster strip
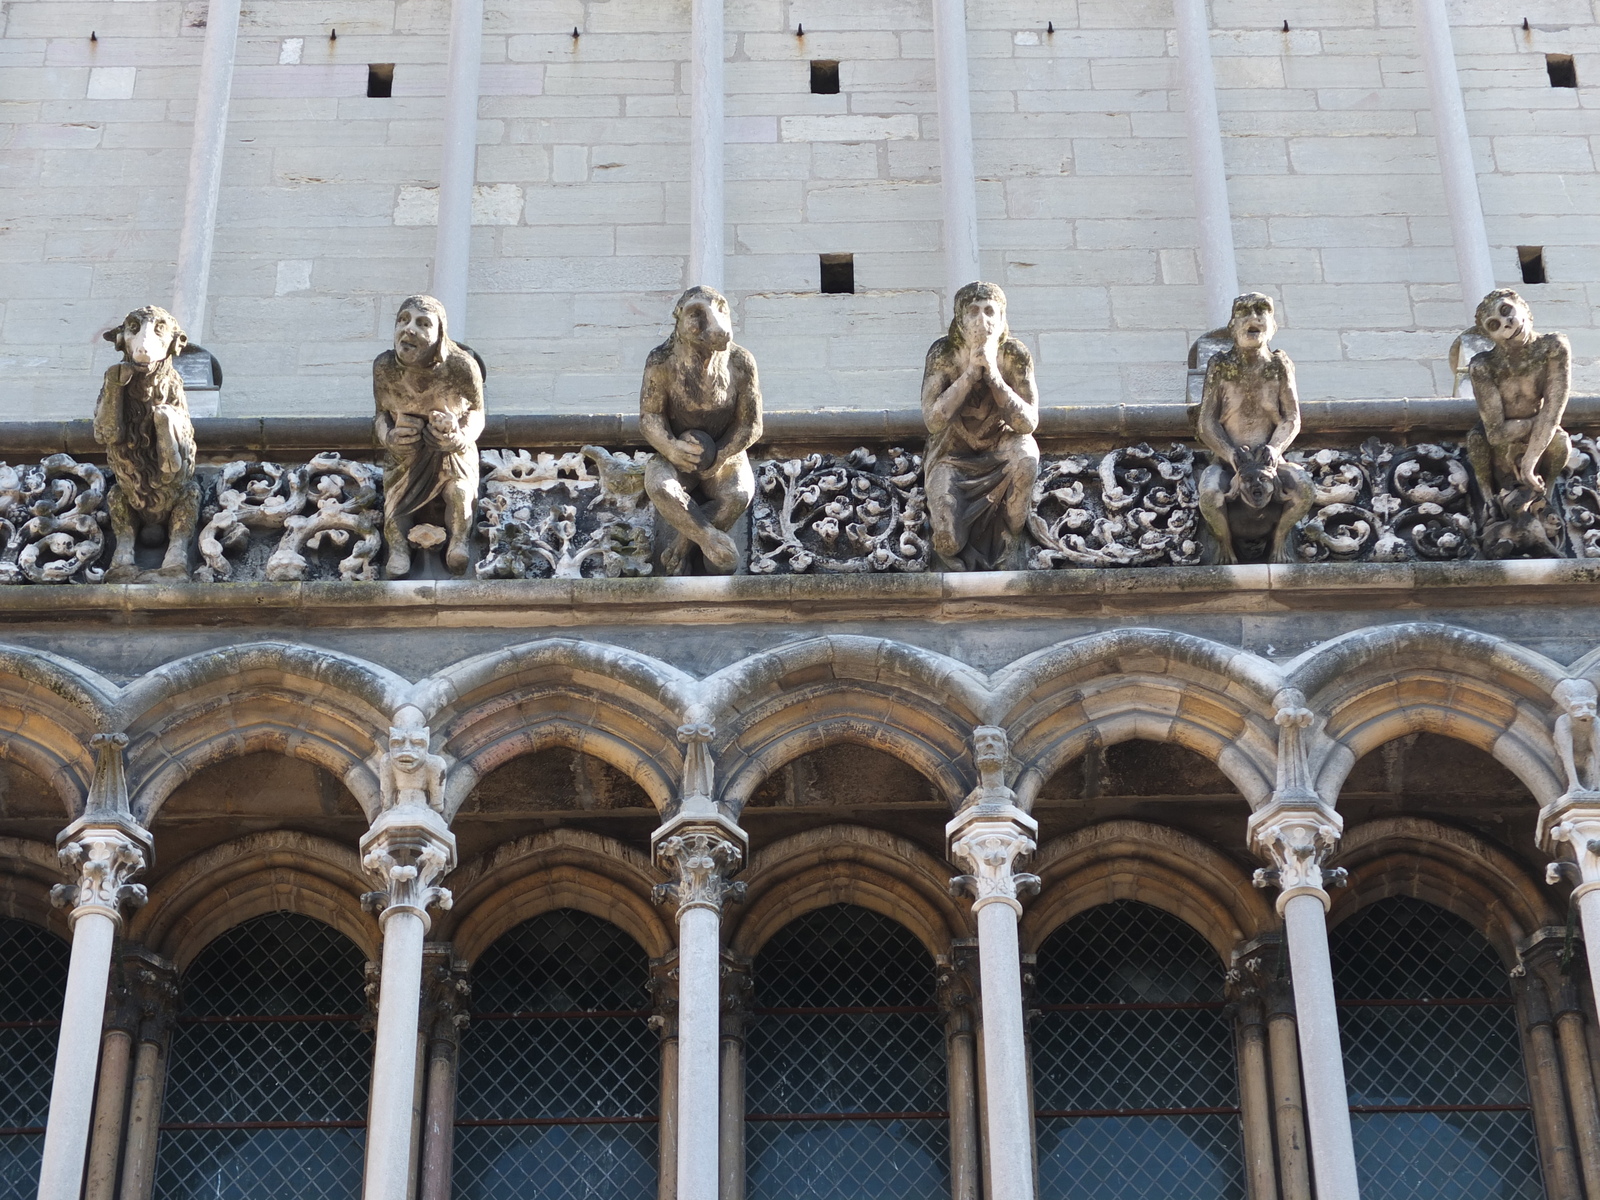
point(705, 145)
point(154, 982)
point(957, 174)
point(1288, 1102)
point(206, 148)
point(458, 167)
point(664, 989)
point(1246, 983)
point(444, 1015)
point(957, 994)
point(736, 988)
point(1219, 270)
point(1455, 155)
point(111, 1095)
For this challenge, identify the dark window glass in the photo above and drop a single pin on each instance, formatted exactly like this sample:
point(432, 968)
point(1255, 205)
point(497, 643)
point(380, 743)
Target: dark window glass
point(1433, 1059)
point(1135, 1086)
point(824, 77)
point(32, 988)
point(560, 1072)
point(267, 1080)
point(845, 1092)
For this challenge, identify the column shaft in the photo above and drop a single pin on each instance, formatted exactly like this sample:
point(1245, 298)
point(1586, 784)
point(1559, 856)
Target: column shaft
point(1333, 1155)
point(1219, 270)
point(1550, 1116)
point(957, 175)
point(964, 1163)
point(1255, 1106)
point(206, 147)
point(110, 1104)
point(439, 1124)
point(1005, 1054)
point(1455, 154)
point(1288, 1107)
point(699, 1009)
point(731, 1134)
point(394, 1057)
point(144, 1121)
point(1581, 1094)
point(458, 168)
point(1589, 917)
point(705, 145)
point(66, 1136)
point(667, 1129)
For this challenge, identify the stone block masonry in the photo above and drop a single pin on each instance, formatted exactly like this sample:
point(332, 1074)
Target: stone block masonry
point(580, 218)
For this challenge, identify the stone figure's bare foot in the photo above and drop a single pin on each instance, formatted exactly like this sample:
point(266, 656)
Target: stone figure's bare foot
point(170, 571)
point(398, 564)
point(455, 558)
point(721, 554)
point(122, 572)
point(673, 554)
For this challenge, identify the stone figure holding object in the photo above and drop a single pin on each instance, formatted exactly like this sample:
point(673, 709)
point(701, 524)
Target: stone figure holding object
point(1250, 496)
point(428, 392)
point(981, 406)
point(1518, 449)
point(700, 410)
point(142, 419)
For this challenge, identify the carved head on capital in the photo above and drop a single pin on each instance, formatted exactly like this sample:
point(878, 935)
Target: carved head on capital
point(421, 332)
point(147, 336)
point(1577, 699)
point(1253, 321)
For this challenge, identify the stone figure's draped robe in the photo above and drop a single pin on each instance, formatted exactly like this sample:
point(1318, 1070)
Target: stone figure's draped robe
point(979, 449)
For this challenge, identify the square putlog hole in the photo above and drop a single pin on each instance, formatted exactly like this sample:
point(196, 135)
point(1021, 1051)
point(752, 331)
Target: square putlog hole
point(380, 80)
point(824, 77)
point(838, 274)
point(1563, 71)
point(1531, 258)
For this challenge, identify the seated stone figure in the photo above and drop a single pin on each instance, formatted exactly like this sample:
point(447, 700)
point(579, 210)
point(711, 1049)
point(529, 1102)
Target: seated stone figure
point(981, 406)
point(1249, 415)
point(700, 409)
point(1518, 449)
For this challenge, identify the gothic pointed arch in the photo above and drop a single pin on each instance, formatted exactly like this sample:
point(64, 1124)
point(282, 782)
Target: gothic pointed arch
point(50, 707)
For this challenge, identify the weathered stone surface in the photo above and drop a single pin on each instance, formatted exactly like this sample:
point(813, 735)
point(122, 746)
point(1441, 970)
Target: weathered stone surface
point(846, 514)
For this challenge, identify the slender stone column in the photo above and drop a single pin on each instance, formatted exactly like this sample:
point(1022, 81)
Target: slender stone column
point(736, 990)
point(458, 169)
point(1296, 832)
point(104, 848)
point(407, 850)
point(206, 147)
point(1573, 823)
point(1288, 1105)
point(1247, 981)
point(111, 1095)
point(988, 837)
point(1580, 1082)
point(1219, 270)
point(1455, 154)
point(444, 1016)
point(1551, 1118)
point(957, 175)
point(957, 993)
point(664, 987)
point(705, 145)
point(154, 983)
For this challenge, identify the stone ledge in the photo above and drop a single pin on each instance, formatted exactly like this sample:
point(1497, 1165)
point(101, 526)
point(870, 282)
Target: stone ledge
point(746, 599)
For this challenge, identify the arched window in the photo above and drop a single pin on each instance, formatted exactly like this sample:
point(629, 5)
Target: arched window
point(32, 988)
point(266, 1091)
point(1134, 1076)
point(560, 1073)
point(846, 1089)
point(1433, 1058)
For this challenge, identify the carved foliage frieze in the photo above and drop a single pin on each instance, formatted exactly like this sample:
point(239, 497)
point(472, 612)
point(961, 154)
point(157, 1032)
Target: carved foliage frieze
point(1131, 507)
point(840, 515)
point(53, 521)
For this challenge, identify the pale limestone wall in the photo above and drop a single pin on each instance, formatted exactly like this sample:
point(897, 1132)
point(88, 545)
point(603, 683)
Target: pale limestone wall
point(1084, 198)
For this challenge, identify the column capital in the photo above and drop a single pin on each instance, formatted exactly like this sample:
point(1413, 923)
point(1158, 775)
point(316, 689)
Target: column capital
point(406, 852)
point(988, 841)
point(104, 852)
point(1572, 825)
point(1296, 834)
point(702, 850)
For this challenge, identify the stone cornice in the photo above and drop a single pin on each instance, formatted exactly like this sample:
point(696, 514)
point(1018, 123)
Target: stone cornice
point(569, 603)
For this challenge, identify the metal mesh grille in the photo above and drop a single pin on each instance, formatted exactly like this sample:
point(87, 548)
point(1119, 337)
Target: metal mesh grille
point(559, 1074)
point(267, 1079)
point(845, 1091)
point(1433, 1058)
point(1135, 1084)
point(32, 988)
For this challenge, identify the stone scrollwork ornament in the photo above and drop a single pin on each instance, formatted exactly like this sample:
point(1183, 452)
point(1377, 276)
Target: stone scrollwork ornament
point(1133, 507)
point(52, 520)
point(834, 515)
point(340, 507)
point(1384, 503)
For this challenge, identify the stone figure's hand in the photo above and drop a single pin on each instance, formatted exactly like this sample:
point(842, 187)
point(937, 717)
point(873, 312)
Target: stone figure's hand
point(685, 455)
point(403, 436)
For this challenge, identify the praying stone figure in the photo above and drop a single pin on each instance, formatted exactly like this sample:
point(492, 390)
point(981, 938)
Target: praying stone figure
point(1250, 497)
point(142, 419)
point(1518, 449)
point(428, 392)
point(700, 410)
point(1577, 734)
point(981, 406)
point(410, 776)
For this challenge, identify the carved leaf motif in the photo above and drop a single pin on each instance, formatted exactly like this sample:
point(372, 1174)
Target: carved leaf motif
point(1135, 506)
point(836, 515)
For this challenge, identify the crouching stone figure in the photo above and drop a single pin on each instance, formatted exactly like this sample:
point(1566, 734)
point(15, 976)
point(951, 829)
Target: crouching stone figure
point(700, 410)
point(1250, 497)
point(142, 419)
point(1518, 449)
point(981, 406)
point(428, 392)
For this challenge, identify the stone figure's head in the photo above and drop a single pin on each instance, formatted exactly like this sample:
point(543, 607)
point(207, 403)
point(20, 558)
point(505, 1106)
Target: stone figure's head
point(421, 336)
point(989, 746)
point(408, 739)
point(147, 336)
point(1577, 698)
point(1503, 316)
point(1253, 322)
point(1255, 479)
point(980, 315)
point(702, 317)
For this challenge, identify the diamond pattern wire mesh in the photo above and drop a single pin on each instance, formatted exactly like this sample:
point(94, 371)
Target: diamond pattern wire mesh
point(32, 988)
point(559, 1075)
point(1134, 1073)
point(1427, 1021)
point(843, 1022)
point(266, 1092)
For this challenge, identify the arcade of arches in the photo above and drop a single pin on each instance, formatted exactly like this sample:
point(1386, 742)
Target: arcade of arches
point(857, 1032)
